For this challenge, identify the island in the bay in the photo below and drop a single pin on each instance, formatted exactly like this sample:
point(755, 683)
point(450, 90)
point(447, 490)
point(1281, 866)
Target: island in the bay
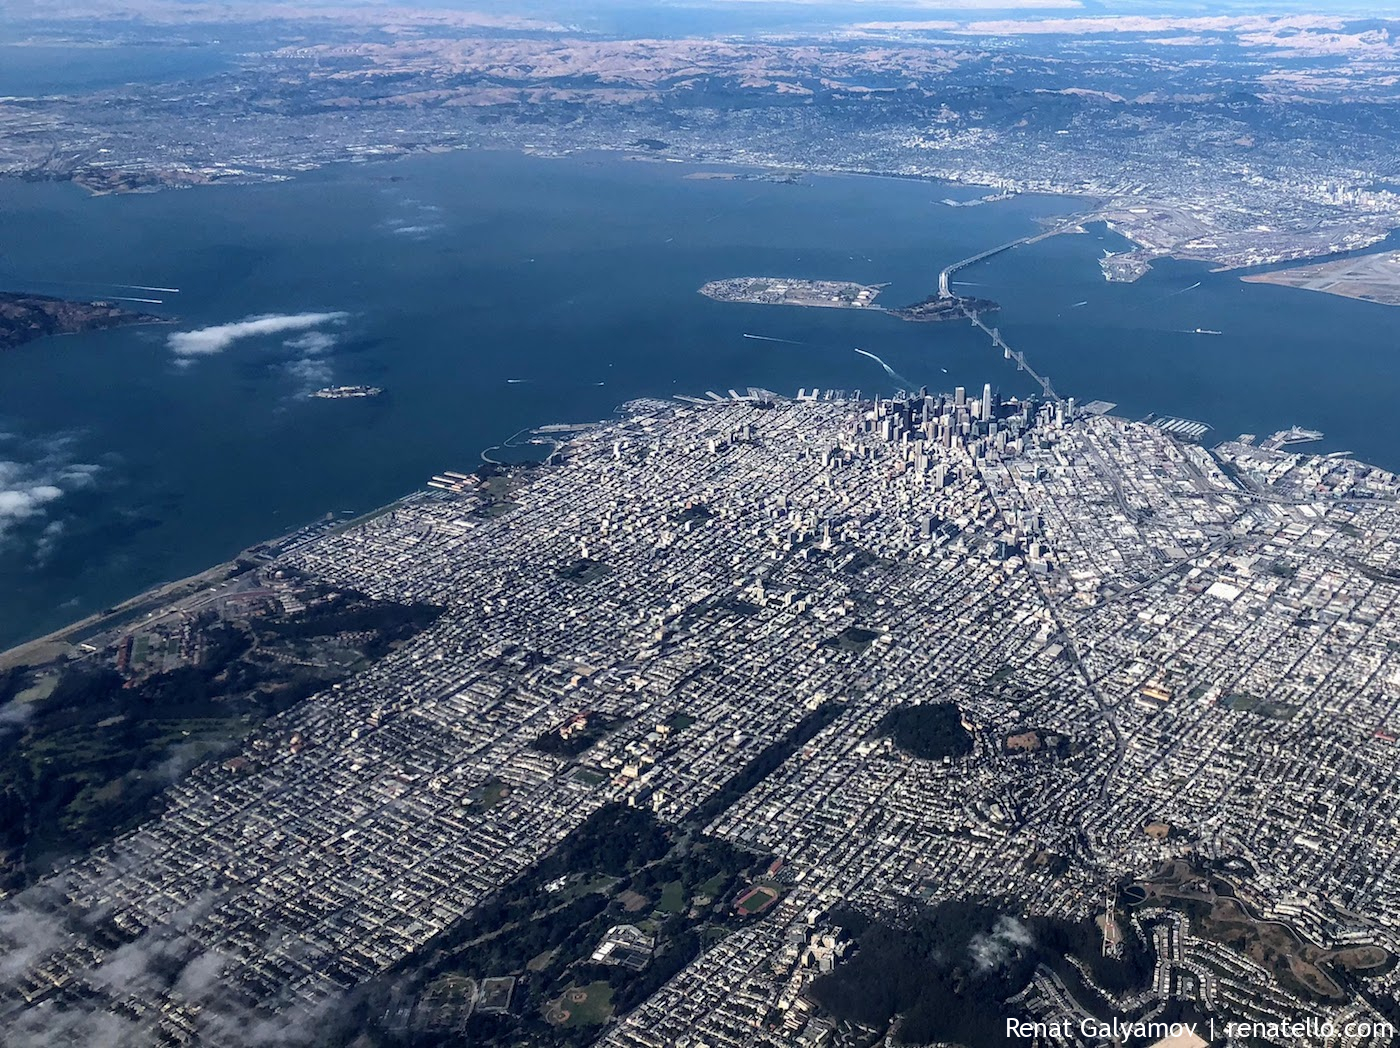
point(838, 294)
point(944, 307)
point(346, 392)
point(25, 317)
point(793, 291)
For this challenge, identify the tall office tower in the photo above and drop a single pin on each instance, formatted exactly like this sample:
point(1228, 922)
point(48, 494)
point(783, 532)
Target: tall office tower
point(959, 397)
point(987, 401)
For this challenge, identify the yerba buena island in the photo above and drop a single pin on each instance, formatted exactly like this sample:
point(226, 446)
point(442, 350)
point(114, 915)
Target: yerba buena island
point(692, 714)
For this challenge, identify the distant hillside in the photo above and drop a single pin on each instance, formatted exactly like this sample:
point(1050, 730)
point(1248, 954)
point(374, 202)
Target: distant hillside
point(24, 318)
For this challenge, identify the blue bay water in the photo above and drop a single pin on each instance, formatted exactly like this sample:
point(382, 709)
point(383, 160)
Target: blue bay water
point(43, 69)
point(577, 278)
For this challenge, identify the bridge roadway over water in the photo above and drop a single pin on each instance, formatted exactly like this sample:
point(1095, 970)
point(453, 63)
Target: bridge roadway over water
point(993, 333)
point(1013, 354)
point(948, 271)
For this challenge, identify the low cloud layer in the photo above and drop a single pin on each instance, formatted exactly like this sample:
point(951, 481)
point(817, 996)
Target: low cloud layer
point(28, 490)
point(206, 341)
point(311, 368)
point(167, 962)
point(1008, 936)
point(418, 220)
point(25, 499)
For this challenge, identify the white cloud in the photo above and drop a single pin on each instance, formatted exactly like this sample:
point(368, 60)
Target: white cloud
point(27, 937)
point(24, 501)
point(992, 951)
point(14, 716)
point(28, 490)
point(312, 369)
point(78, 474)
point(216, 339)
point(48, 540)
point(1276, 29)
point(312, 342)
point(312, 373)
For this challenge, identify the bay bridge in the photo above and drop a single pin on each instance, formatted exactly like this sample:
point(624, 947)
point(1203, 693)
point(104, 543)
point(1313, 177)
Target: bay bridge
point(981, 256)
point(1013, 354)
point(945, 292)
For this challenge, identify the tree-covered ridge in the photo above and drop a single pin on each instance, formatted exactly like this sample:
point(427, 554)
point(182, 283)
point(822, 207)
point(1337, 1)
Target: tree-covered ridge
point(88, 747)
point(944, 973)
point(929, 731)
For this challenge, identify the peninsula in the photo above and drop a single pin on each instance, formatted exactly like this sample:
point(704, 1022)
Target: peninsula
point(1370, 278)
point(24, 317)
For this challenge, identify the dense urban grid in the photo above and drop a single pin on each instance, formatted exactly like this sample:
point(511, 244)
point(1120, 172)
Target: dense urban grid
point(1175, 672)
point(747, 719)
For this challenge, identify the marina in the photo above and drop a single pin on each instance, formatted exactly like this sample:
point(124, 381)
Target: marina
point(1185, 428)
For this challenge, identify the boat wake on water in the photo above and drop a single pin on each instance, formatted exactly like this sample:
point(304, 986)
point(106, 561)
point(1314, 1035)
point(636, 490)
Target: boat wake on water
point(770, 338)
point(1179, 291)
point(120, 287)
point(891, 372)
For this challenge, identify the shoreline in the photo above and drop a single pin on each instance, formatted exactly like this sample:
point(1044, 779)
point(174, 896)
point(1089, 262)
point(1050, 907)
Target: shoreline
point(65, 633)
point(27, 317)
point(58, 642)
point(711, 170)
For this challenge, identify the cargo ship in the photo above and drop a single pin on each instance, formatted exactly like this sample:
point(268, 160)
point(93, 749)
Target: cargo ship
point(346, 392)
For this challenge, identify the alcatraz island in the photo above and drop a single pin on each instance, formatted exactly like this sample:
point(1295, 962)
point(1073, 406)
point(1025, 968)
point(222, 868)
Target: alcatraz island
point(837, 294)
